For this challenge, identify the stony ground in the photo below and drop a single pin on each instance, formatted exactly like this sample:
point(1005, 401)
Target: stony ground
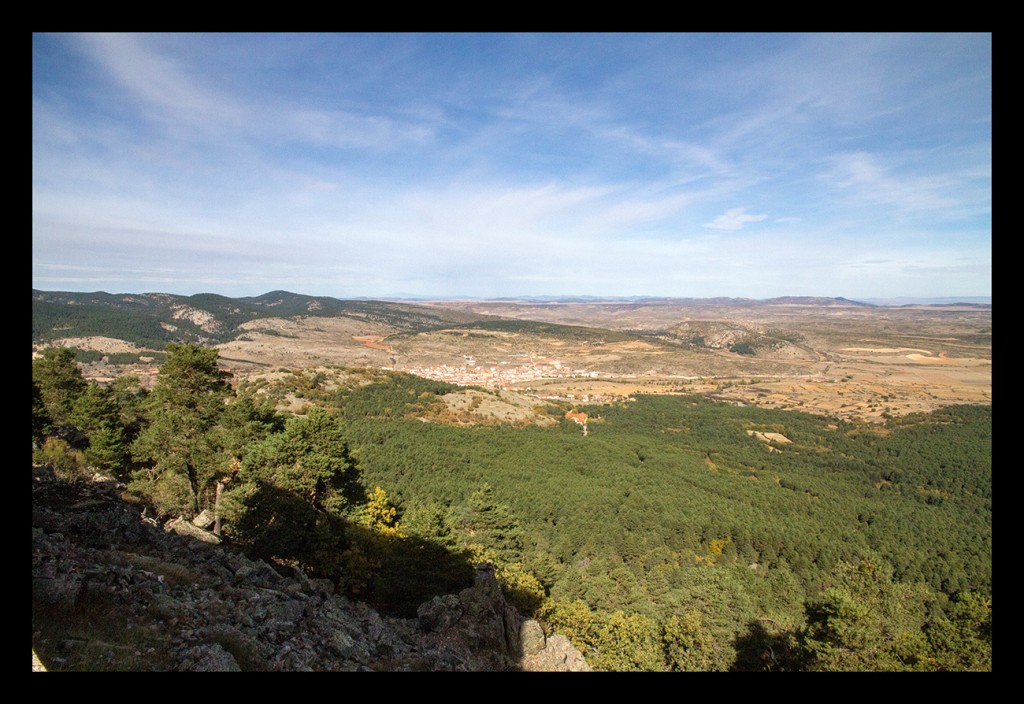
point(113, 590)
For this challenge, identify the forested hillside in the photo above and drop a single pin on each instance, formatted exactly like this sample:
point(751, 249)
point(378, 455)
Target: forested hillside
point(678, 533)
point(154, 319)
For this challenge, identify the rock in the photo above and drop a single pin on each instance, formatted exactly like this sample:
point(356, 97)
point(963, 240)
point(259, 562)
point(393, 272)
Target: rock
point(168, 590)
point(210, 658)
point(204, 520)
point(341, 644)
point(439, 613)
point(286, 612)
point(43, 473)
point(531, 637)
point(558, 655)
point(492, 622)
point(183, 527)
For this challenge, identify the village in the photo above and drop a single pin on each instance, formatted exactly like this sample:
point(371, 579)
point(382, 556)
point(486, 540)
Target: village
point(505, 375)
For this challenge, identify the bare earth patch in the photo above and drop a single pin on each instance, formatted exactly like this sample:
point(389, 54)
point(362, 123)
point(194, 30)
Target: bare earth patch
point(203, 319)
point(769, 437)
point(106, 345)
point(884, 350)
point(501, 407)
point(943, 359)
point(306, 342)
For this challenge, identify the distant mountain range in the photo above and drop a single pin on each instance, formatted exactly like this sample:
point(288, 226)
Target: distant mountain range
point(724, 300)
point(984, 301)
point(153, 319)
point(653, 300)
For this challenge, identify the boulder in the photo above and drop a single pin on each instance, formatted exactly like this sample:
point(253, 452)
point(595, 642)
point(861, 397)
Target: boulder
point(182, 527)
point(204, 520)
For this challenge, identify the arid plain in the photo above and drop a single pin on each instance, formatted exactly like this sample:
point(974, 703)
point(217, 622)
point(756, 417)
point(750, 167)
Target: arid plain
point(848, 361)
point(831, 357)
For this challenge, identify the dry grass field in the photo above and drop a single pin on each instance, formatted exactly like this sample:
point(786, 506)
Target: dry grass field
point(848, 361)
point(845, 361)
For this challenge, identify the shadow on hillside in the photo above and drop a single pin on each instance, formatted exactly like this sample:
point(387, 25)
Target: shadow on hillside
point(89, 613)
point(394, 574)
point(766, 647)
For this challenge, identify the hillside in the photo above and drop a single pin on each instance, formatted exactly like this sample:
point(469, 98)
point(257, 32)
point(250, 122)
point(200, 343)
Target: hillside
point(822, 355)
point(663, 534)
point(115, 591)
point(153, 319)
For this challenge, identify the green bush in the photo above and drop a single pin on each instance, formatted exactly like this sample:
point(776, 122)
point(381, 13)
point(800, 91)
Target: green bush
point(67, 463)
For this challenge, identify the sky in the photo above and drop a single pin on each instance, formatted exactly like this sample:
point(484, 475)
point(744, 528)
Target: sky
point(492, 165)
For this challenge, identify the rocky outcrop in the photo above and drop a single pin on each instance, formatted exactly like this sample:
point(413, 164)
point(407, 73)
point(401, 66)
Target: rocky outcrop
point(111, 591)
point(554, 653)
point(182, 527)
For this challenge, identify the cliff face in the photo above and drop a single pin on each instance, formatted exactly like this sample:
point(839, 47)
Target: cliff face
point(112, 590)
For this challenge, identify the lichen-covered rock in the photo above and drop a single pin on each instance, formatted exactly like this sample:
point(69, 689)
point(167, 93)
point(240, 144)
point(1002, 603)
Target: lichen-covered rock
point(531, 637)
point(183, 527)
point(557, 655)
point(204, 520)
point(440, 613)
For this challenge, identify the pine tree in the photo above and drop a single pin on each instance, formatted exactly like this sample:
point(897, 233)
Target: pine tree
point(42, 424)
point(293, 491)
point(60, 382)
point(492, 525)
point(868, 622)
point(96, 414)
point(186, 404)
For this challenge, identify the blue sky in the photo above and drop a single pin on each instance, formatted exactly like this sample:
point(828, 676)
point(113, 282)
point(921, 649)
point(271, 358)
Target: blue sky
point(750, 165)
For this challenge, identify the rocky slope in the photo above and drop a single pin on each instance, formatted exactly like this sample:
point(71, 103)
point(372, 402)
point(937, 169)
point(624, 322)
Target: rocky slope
point(112, 590)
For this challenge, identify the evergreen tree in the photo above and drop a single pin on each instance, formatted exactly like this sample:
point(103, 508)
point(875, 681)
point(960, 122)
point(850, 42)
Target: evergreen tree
point(310, 459)
point(867, 622)
point(293, 490)
point(962, 641)
point(187, 402)
point(96, 414)
point(491, 524)
point(60, 382)
point(432, 523)
point(129, 396)
point(42, 424)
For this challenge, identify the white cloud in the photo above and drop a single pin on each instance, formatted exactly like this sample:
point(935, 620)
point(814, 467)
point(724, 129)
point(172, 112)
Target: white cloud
point(910, 185)
point(161, 82)
point(734, 219)
point(363, 165)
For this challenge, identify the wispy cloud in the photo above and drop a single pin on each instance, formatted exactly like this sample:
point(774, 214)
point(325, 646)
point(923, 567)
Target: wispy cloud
point(734, 219)
point(511, 164)
point(952, 192)
point(160, 83)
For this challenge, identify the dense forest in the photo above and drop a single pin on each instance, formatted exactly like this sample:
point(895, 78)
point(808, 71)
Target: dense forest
point(677, 534)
